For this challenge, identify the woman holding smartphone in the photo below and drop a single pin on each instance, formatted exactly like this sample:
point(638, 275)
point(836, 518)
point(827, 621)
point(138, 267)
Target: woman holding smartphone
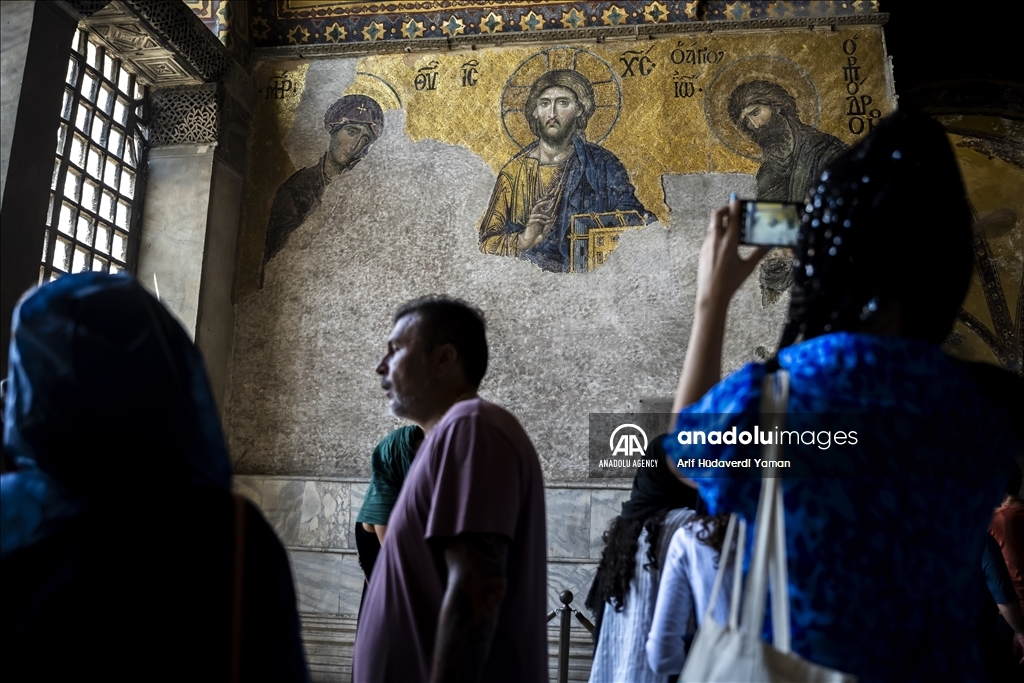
point(883, 536)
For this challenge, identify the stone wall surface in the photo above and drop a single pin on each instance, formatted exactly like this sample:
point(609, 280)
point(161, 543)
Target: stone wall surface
point(215, 322)
point(311, 319)
point(16, 23)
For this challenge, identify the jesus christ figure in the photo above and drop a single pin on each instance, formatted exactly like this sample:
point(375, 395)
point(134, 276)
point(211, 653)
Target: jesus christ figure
point(554, 178)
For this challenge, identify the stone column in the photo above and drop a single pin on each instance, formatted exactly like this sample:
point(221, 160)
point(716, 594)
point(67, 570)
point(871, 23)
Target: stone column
point(190, 217)
point(199, 100)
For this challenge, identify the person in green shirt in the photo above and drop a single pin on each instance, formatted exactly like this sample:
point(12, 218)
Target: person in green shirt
point(389, 463)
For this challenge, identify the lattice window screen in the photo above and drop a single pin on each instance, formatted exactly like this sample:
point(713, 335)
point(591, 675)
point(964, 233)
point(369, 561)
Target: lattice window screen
point(93, 218)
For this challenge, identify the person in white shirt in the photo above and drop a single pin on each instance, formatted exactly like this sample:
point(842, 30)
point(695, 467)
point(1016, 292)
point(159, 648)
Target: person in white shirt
point(626, 585)
point(685, 587)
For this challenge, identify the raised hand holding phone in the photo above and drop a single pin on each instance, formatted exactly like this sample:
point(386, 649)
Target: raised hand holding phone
point(772, 224)
point(720, 272)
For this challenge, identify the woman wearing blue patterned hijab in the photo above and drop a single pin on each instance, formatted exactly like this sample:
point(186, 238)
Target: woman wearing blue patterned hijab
point(884, 533)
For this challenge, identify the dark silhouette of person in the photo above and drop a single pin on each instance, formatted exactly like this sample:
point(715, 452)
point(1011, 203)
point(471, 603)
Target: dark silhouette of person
point(124, 554)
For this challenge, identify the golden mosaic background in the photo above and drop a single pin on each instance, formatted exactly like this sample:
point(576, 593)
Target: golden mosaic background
point(671, 119)
point(656, 131)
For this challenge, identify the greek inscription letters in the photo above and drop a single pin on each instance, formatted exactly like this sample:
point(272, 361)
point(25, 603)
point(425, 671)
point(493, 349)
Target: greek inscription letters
point(695, 56)
point(637, 62)
point(278, 86)
point(858, 105)
point(426, 76)
point(470, 73)
point(683, 85)
point(860, 115)
point(851, 73)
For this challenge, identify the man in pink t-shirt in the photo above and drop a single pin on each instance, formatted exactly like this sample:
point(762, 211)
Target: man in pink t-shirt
point(459, 588)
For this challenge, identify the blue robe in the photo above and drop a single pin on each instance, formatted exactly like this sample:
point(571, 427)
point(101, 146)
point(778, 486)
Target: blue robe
point(595, 182)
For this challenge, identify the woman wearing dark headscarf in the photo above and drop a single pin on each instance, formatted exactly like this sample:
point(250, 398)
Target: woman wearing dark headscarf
point(119, 538)
point(626, 586)
point(882, 535)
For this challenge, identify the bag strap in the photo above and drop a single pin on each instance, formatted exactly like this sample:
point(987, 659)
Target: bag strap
point(756, 589)
point(768, 562)
point(778, 577)
point(737, 575)
point(730, 531)
point(238, 585)
point(778, 571)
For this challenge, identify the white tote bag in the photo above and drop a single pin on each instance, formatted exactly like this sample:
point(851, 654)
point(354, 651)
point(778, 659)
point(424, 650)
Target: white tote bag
point(735, 653)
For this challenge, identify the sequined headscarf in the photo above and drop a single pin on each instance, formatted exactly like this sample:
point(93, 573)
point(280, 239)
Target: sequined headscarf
point(888, 221)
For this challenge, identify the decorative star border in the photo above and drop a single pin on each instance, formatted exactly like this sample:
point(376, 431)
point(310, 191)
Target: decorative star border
point(731, 10)
point(281, 23)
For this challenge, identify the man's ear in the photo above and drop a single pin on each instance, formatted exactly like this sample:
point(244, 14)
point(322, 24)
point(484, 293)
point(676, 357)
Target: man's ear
point(445, 358)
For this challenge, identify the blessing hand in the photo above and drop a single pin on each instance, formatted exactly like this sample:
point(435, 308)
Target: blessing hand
point(539, 224)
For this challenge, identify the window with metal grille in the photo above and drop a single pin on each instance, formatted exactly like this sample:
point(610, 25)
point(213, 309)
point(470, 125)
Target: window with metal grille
point(94, 211)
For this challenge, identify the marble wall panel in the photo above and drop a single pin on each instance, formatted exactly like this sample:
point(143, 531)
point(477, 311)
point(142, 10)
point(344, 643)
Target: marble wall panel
point(318, 580)
point(327, 583)
point(324, 517)
point(282, 506)
point(215, 318)
point(350, 588)
point(174, 227)
point(568, 522)
point(16, 23)
point(250, 487)
point(605, 505)
point(571, 576)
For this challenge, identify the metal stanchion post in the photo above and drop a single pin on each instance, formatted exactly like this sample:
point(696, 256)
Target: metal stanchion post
point(563, 636)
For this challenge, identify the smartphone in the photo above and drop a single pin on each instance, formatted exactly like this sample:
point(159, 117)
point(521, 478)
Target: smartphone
point(771, 224)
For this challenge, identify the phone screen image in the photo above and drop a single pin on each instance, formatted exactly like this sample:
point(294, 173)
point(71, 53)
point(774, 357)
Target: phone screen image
point(771, 223)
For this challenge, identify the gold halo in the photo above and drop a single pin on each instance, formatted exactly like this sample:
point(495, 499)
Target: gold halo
point(377, 88)
point(607, 91)
point(759, 68)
